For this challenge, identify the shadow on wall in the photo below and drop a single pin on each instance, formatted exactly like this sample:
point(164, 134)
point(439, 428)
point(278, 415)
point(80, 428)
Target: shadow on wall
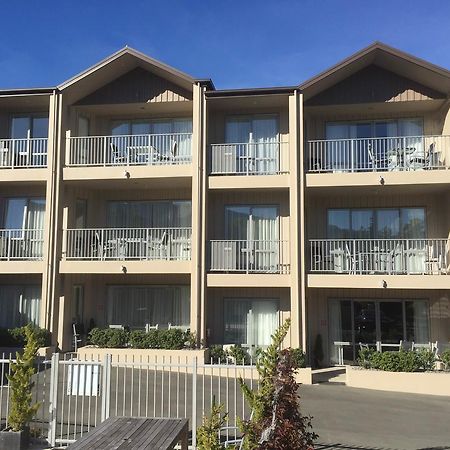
point(338, 446)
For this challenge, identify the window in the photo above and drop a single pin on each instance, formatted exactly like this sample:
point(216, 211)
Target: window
point(354, 146)
point(377, 323)
point(138, 306)
point(19, 305)
point(34, 125)
point(380, 223)
point(149, 214)
point(250, 322)
point(80, 213)
point(22, 213)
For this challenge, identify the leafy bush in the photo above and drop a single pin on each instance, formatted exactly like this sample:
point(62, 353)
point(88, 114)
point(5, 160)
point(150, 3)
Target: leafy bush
point(276, 421)
point(22, 408)
point(174, 339)
point(298, 358)
point(239, 354)
point(217, 354)
point(108, 337)
point(16, 337)
point(208, 434)
point(401, 361)
point(445, 358)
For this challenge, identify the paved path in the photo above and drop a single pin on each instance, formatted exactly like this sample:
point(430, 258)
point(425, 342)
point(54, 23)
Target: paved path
point(350, 418)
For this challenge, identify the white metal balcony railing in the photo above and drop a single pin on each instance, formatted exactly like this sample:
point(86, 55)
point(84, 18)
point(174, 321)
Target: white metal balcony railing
point(23, 153)
point(265, 158)
point(172, 244)
point(145, 149)
point(250, 256)
point(407, 153)
point(380, 256)
point(21, 244)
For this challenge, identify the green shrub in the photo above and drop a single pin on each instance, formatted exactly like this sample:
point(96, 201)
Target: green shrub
point(173, 339)
point(239, 354)
point(208, 434)
point(116, 338)
point(22, 409)
point(108, 337)
point(445, 358)
point(402, 361)
point(298, 358)
point(16, 337)
point(217, 354)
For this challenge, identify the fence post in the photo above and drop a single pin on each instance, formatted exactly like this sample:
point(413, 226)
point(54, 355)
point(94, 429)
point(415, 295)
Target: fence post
point(106, 387)
point(194, 402)
point(53, 400)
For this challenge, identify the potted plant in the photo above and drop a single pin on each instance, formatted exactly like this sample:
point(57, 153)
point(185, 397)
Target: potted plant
point(21, 407)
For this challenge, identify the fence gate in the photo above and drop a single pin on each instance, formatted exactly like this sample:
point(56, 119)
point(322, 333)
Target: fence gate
point(84, 393)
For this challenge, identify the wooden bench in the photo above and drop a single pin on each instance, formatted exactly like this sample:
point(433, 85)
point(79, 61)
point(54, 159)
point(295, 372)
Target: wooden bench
point(135, 433)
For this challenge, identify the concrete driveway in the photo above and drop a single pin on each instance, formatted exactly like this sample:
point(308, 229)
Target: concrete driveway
point(349, 418)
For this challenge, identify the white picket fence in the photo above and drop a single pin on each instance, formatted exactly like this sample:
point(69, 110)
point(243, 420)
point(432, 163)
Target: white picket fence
point(76, 395)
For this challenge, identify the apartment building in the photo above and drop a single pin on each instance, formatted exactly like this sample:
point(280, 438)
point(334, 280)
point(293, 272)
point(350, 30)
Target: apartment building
point(134, 194)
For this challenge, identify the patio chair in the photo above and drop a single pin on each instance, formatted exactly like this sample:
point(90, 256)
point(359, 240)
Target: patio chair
point(76, 337)
point(149, 327)
point(117, 155)
point(178, 327)
point(417, 346)
point(116, 327)
point(157, 248)
point(405, 345)
point(102, 249)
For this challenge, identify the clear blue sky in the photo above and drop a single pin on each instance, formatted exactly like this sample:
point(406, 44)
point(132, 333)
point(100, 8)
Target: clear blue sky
point(244, 43)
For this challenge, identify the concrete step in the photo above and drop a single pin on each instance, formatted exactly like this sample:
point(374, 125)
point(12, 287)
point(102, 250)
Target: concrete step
point(335, 375)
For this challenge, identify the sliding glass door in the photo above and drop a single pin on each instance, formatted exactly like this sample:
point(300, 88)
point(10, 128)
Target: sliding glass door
point(256, 143)
point(19, 305)
point(141, 306)
point(250, 322)
point(385, 145)
point(380, 324)
point(255, 228)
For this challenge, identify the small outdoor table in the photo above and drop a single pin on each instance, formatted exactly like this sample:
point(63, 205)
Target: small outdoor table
point(126, 433)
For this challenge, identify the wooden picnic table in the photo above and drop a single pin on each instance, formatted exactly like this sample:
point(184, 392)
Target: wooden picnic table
point(126, 433)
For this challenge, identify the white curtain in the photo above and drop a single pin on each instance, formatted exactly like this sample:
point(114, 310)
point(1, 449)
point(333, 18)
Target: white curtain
point(249, 321)
point(335, 329)
point(149, 214)
point(182, 128)
point(34, 221)
point(262, 321)
point(421, 332)
point(258, 225)
point(257, 148)
point(136, 306)
point(19, 305)
point(412, 129)
point(338, 150)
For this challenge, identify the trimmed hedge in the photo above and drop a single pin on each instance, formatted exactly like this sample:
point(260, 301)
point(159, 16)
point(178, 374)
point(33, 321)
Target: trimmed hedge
point(401, 361)
point(15, 337)
point(445, 358)
point(174, 339)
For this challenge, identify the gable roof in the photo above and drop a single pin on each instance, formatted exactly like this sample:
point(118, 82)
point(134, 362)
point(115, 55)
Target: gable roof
point(386, 57)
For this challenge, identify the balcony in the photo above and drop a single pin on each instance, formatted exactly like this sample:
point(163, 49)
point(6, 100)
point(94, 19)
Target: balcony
point(380, 256)
point(130, 150)
point(121, 244)
point(243, 256)
point(25, 153)
point(265, 158)
point(146, 250)
point(387, 154)
point(21, 251)
point(21, 245)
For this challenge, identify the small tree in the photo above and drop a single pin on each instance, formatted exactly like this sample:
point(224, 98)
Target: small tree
point(208, 435)
point(22, 408)
point(276, 421)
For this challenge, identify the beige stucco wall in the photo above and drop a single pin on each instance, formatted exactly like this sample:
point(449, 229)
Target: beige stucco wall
point(415, 383)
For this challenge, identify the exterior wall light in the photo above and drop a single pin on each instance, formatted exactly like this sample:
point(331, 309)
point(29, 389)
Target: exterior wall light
point(382, 181)
point(123, 269)
point(384, 284)
point(126, 174)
